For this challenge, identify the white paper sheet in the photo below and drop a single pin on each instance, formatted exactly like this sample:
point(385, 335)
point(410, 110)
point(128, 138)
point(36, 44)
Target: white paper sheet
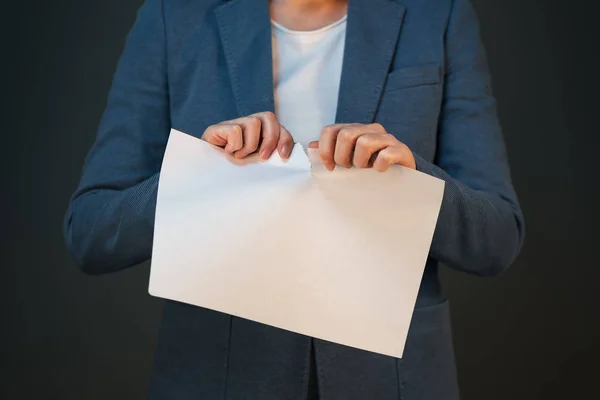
point(333, 255)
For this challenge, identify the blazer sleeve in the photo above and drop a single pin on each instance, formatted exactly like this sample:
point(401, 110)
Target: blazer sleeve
point(110, 220)
point(480, 228)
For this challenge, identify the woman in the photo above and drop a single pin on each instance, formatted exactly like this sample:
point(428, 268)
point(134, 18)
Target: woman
point(370, 83)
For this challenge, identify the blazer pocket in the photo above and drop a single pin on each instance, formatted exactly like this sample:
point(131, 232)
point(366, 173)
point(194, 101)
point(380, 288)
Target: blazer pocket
point(418, 75)
point(427, 368)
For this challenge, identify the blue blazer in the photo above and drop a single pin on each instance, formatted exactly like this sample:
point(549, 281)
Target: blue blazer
point(415, 66)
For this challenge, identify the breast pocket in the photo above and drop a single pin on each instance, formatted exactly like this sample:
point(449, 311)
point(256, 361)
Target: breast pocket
point(410, 105)
point(419, 75)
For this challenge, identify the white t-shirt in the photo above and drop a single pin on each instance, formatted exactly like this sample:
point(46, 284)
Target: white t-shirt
point(307, 66)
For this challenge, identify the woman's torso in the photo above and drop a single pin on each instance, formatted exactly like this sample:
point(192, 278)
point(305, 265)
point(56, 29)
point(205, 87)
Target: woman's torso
point(219, 59)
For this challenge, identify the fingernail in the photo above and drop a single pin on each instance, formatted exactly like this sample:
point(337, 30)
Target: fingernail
point(264, 155)
point(285, 151)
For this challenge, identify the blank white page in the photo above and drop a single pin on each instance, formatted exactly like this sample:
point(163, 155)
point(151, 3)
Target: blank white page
point(336, 255)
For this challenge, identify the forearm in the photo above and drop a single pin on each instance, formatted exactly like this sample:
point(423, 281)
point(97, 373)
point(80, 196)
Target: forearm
point(107, 230)
point(110, 220)
point(477, 232)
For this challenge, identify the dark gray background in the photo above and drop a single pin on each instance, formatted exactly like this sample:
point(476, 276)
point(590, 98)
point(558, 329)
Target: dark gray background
point(531, 334)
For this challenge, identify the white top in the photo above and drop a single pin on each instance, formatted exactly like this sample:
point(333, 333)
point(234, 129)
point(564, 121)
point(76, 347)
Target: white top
point(307, 66)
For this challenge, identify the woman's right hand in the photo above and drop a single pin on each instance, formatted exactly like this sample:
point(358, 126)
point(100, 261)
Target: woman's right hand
point(259, 132)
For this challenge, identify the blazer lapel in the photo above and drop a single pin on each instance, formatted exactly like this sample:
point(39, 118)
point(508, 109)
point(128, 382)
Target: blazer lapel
point(245, 29)
point(371, 37)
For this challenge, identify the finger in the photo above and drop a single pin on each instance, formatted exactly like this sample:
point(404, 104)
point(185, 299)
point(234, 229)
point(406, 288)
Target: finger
point(327, 144)
point(346, 142)
point(367, 145)
point(313, 145)
point(387, 157)
point(228, 136)
point(213, 135)
point(286, 143)
point(251, 134)
point(377, 128)
point(235, 139)
point(269, 134)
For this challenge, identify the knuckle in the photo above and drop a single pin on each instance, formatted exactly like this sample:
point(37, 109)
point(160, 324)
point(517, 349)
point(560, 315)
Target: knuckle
point(400, 147)
point(286, 138)
point(254, 121)
point(268, 114)
point(270, 135)
point(212, 128)
point(345, 134)
point(387, 155)
point(268, 143)
point(364, 141)
point(329, 129)
point(285, 134)
point(377, 127)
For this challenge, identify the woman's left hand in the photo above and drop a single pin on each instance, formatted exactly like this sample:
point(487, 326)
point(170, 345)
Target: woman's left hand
point(364, 146)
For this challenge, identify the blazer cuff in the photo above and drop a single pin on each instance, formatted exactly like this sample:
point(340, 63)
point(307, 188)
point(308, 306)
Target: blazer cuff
point(429, 168)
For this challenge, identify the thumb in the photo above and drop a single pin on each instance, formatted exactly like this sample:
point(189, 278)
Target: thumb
point(313, 145)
